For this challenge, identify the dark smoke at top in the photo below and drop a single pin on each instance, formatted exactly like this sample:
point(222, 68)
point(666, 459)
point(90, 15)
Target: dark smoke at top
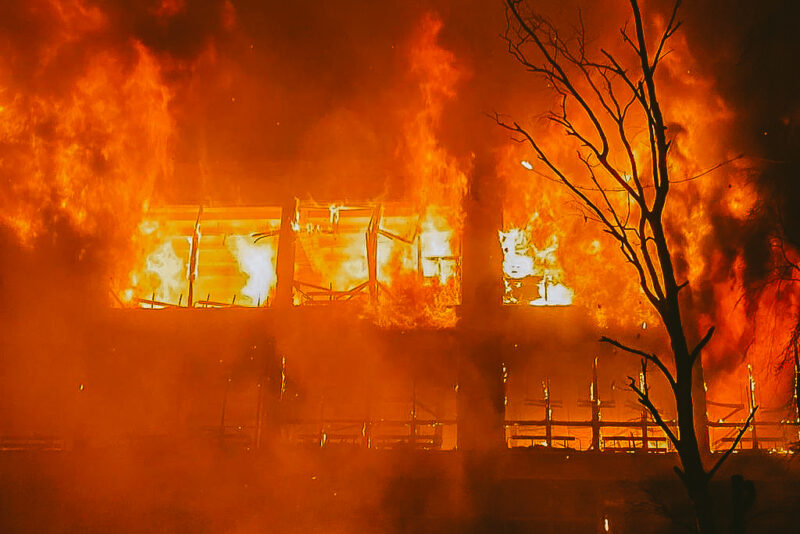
point(746, 47)
point(310, 99)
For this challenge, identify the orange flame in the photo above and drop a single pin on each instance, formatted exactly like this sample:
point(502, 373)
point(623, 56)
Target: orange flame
point(91, 155)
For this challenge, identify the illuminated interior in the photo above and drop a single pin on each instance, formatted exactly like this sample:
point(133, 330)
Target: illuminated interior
point(227, 256)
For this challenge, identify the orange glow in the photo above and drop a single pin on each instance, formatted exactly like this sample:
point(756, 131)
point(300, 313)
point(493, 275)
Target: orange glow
point(547, 235)
point(526, 267)
point(162, 166)
point(235, 263)
point(92, 155)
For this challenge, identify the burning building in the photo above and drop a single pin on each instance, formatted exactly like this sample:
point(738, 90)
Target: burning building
point(270, 229)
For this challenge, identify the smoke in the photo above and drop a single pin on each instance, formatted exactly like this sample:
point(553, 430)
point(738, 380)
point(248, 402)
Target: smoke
point(745, 57)
point(108, 107)
point(260, 96)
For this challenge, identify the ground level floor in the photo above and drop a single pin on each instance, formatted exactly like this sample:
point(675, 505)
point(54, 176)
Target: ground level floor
point(158, 486)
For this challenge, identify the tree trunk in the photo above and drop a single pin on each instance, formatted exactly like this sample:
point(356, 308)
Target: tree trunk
point(695, 477)
point(701, 409)
point(703, 506)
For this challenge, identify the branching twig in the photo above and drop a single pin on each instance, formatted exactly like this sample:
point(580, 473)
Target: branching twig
point(735, 444)
point(699, 347)
point(647, 356)
point(644, 399)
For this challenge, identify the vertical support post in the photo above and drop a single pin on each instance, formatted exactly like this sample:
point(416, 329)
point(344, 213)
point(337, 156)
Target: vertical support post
point(505, 398)
point(796, 386)
point(368, 378)
point(286, 253)
point(281, 392)
point(366, 428)
point(751, 401)
point(420, 273)
point(594, 397)
point(481, 406)
point(194, 256)
point(372, 251)
point(645, 442)
point(269, 390)
point(283, 378)
point(548, 413)
point(366, 434)
point(644, 417)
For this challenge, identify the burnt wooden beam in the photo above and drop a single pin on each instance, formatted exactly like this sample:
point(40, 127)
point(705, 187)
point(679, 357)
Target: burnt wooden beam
point(286, 252)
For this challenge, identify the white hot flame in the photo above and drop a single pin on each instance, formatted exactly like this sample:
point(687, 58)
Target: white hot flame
point(256, 261)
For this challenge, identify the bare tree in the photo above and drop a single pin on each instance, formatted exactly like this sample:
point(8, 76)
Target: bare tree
point(601, 100)
point(783, 278)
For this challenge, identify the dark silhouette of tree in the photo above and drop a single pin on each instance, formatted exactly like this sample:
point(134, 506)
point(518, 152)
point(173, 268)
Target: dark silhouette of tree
point(603, 101)
point(784, 277)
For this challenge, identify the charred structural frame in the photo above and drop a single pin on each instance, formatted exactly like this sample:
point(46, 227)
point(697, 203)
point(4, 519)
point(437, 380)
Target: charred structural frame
point(468, 381)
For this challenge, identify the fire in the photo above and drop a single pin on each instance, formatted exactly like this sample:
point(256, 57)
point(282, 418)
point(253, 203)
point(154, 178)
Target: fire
point(525, 267)
point(162, 271)
point(439, 258)
point(413, 253)
point(88, 155)
point(712, 198)
point(257, 262)
point(92, 155)
point(112, 143)
point(169, 8)
point(332, 247)
point(231, 262)
point(163, 274)
point(436, 184)
point(435, 177)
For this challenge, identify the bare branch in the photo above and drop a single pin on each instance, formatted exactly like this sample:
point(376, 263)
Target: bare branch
point(735, 444)
point(553, 64)
point(709, 170)
point(671, 28)
point(628, 40)
point(659, 144)
point(647, 356)
point(613, 224)
point(699, 347)
point(643, 394)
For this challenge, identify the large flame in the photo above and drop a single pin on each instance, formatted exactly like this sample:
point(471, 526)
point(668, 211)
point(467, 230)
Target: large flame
point(88, 154)
point(88, 136)
point(257, 262)
point(711, 199)
point(436, 185)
